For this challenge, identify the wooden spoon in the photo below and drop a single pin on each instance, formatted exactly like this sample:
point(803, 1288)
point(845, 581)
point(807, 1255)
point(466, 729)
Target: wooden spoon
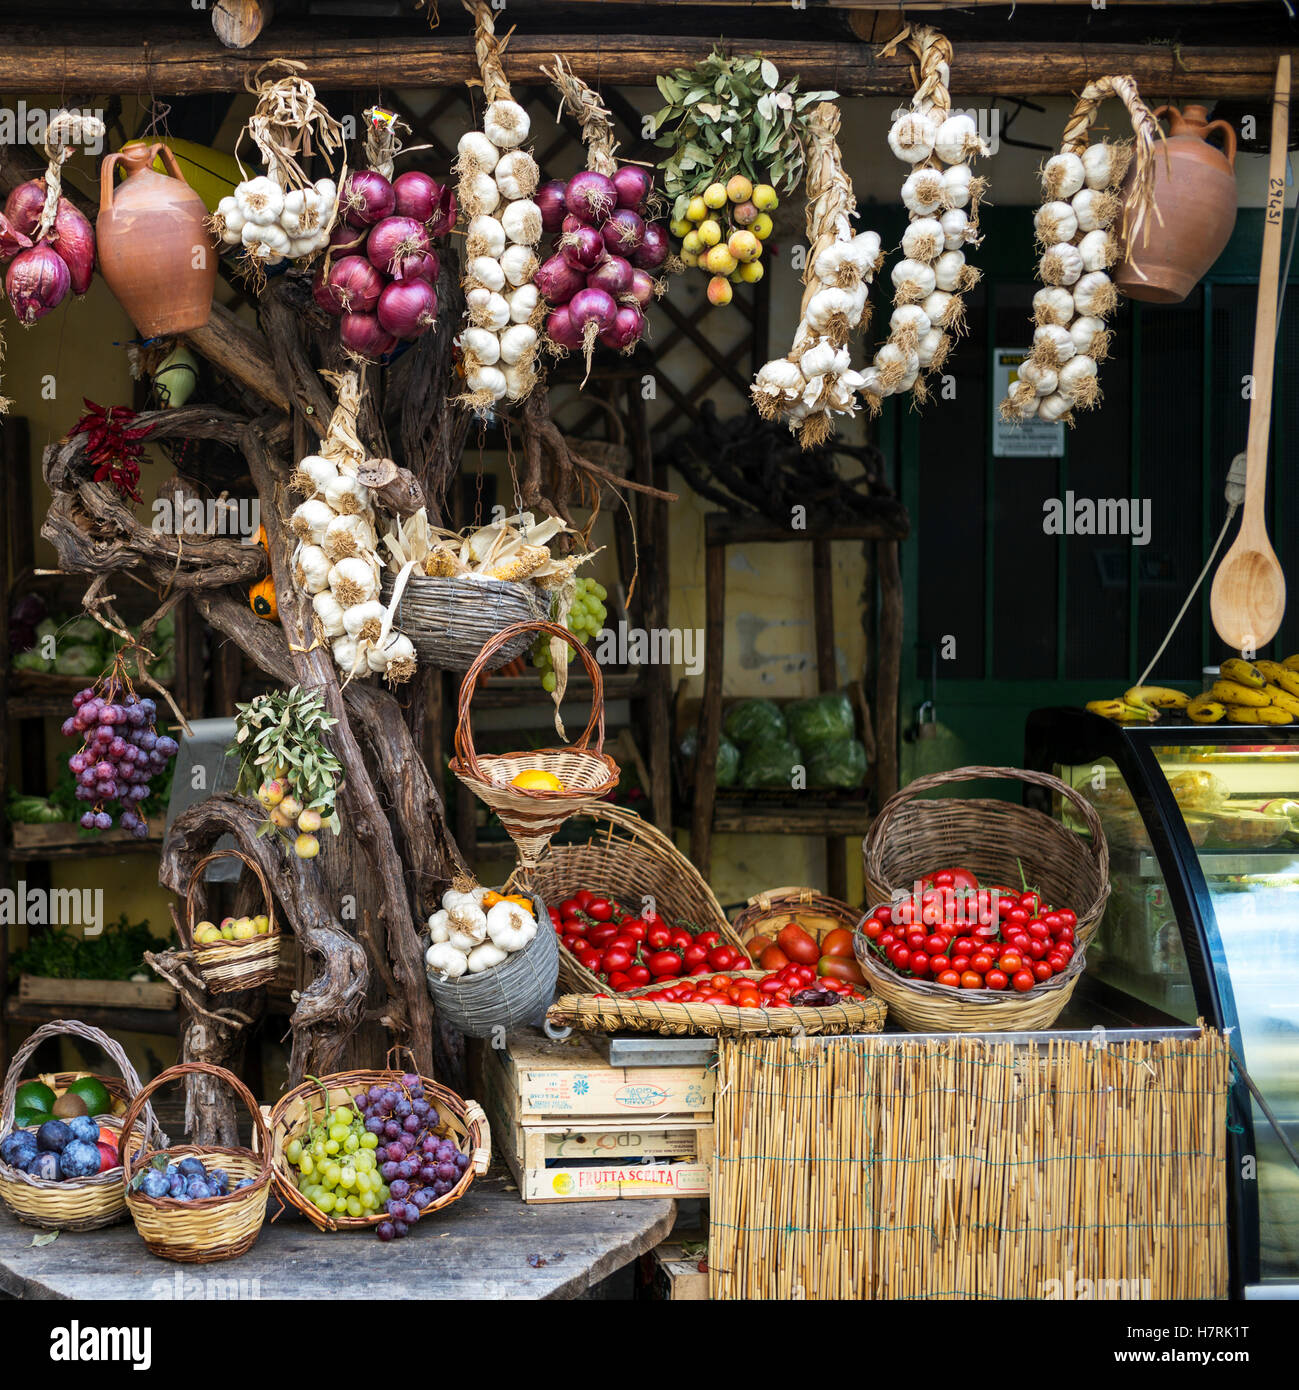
point(1248, 596)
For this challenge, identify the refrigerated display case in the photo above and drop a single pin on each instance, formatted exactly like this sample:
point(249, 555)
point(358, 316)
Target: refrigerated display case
point(1203, 922)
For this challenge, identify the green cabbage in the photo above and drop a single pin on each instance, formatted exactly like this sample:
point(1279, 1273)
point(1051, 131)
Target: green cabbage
point(84, 631)
point(728, 757)
point(840, 764)
point(754, 721)
point(770, 763)
point(823, 719)
point(31, 660)
point(77, 659)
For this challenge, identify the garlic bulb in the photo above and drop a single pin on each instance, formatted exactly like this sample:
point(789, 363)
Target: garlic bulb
point(260, 201)
point(311, 569)
point(780, 378)
point(347, 494)
point(1042, 379)
point(1100, 165)
point(943, 308)
point(346, 654)
point(828, 304)
point(911, 136)
point(482, 344)
point(957, 229)
point(1089, 336)
point(364, 620)
point(1052, 345)
point(484, 236)
point(1061, 265)
point(818, 359)
point(311, 518)
point(488, 379)
point(518, 264)
point(1053, 408)
point(913, 281)
point(330, 612)
point(922, 193)
point(523, 303)
point(350, 534)
point(1093, 209)
point(481, 194)
point(486, 270)
point(929, 346)
point(301, 215)
point(957, 139)
point(492, 311)
point(1097, 250)
point(1054, 222)
point(923, 238)
point(956, 185)
point(1095, 294)
point(949, 271)
point(517, 175)
point(1053, 305)
point(318, 472)
point(353, 581)
point(1063, 175)
point(520, 377)
point(231, 220)
point(515, 343)
point(477, 153)
point(522, 222)
point(506, 124)
point(907, 325)
point(1078, 378)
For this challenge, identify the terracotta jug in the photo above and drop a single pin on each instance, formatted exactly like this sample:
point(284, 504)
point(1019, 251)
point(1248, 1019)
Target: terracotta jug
point(1195, 191)
point(154, 251)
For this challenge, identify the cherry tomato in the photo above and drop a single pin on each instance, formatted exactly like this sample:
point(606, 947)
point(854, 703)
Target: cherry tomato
point(1010, 962)
point(695, 957)
point(797, 944)
point(916, 941)
point(837, 943)
point(749, 999)
point(996, 979)
point(1038, 930)
point(1061, 948)
point(1023, 980)
point(883, 914)
point(1037, 949)
point(709, 939)
point(634, 928)
point(1068, 917)
point(887, 938)
point(805, 974)
point(981, 963)
point(1057, 963)
point(919, 963)
point(1030, 902)
point(1064, 936)
point(964, 946)
point(939, 963)
point(1042, 970)
point(1018, 914)
point(602, 934)
point(936, 945)
point(949, 977)
point(969, 980)
point(664, 963)
point(872, 929)
point(771, 985)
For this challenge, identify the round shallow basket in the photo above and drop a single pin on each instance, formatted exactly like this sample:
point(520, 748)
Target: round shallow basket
point(631, 1010)
point(631, 860)
point(72, 1204)
point(816, 913)
point(587, 774)
point(449, 620)
point(514, 994)
point(998, 841)
point(214, 1228)
point(463, 1121)
point(227, 966)
point(922, 1006)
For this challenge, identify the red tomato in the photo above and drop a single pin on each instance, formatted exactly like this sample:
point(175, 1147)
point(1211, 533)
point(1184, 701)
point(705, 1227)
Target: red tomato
point(617, 958)
point(939, 963)
point(981, 963)
point(681, 938)
point(964, 946)
point(837, 943)
point(900, 956)
point(887, 938)
point(1018, 914)
point(883, 914)
point(1038, 930)
point(936, 945)
point(749, 999)
point(919, 963)
point(771, 985)
point(1023, 980)
point(949, 977)
point(728, 958)
point(638, 975)
point(996, 979)
point(602, 935)
point(568, 907)
point(590, 959)
point(1037, 949)
point(1042, 970)
point(837, 968)
point(695, 956)
point(1068, 917)
point(969, 980)
point(657, 936)
point(1052, 921)
point(664, 963)
point(583, 896)
point(755, 945)
point(633, 928)
point(805, 974)
point(619, 981)
point(1064, 935)
point(872, 929)
point(1057, 963)
point(797, 944)
point(1061, 948)
point(1010, 962)
point(950, 878)
point(709, 939)
point(1030, 902)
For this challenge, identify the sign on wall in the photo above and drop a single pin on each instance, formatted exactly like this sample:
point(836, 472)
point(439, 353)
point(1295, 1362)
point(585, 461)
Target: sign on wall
point(1033, 438)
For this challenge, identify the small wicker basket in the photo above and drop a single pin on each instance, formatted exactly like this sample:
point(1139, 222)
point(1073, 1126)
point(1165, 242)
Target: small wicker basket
point(227, 966)
point(816, 913)
point(632, 860)
point(448, 620)
point(514, 994)
point(631, 1010)
point(587, 774)
point(71, 1204)
point(299, 1107)
point(213, 1228)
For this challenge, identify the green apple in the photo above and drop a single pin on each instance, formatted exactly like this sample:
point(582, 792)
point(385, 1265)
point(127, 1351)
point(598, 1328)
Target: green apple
point(310, 821)
point(206, 933)
point(244, 930)
point(261, 924)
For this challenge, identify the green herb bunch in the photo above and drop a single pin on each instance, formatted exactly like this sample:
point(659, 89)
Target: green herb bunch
point(116, 954)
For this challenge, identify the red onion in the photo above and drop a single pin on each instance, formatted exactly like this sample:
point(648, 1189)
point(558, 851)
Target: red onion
point(444, 219)
point(613, 276)
point(633, 186)
point(73, 238)
point(570, 223)
point(653, 251)
point(366, 198)
point(363, 335)
point(345, 238)
point(408, 307)
point(560, 330)
point(623, 232)
point(418, 195)
point(596, 307)
point(324, 295)
point(418, 265)
point(37, 281)
point(393, 238)
point(355, 284)
point(11, 240)
point(557, 281)
point(550, 199)
point(583, 249)
point(643, 288)
point(628, 325)
point(24, 205)
point(590, 196)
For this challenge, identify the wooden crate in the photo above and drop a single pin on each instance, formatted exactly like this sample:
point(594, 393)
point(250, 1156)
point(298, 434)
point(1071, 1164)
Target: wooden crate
point(110, 994)
point(68, 837)
point(569, 1078)
point(676, 1277)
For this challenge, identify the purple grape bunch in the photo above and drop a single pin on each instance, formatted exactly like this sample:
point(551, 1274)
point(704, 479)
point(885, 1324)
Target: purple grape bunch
point(418, 1164)
point(120, 754)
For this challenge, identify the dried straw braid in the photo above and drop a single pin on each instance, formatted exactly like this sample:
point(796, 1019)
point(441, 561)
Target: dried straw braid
point(930, 72)
point(596, 121)
point(831, 206)
point(66, 130)
point(488, 49)
point(287, 118)
point(1136, 203)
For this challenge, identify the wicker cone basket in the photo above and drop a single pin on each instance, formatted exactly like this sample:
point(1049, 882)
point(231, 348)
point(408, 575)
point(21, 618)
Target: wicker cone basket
point(588, 775)
point(816, 913)
point(464, 1120)
point(72, 1204)
point(632, 860)
point(449, 619)
point(514, 994)
point(227, 966)
point(631, 1010)
point(998, 842)
point(213, 1228)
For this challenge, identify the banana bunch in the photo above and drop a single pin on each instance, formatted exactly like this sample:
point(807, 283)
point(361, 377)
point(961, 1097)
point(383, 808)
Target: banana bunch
point(1140, 705)
point(1250, 692)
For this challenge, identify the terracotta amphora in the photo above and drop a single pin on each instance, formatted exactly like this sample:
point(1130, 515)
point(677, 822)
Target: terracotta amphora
point(154, 251)
point(1195, 191)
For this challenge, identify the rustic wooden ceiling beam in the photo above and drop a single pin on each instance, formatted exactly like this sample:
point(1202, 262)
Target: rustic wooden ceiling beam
point(174, 62)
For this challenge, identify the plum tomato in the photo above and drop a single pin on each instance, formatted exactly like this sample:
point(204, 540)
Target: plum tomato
point(1023, 980)
point(797, 944)
point(773, 958)
point(837, 968)
point(838, 943)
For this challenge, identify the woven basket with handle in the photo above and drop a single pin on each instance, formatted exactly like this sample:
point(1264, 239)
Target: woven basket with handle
point(587, 774)
point(72, 1204)
point(631, 860)
point(818, 915)
point(633, 1011)
point(227, 966)
point(213, 1228)
point(999, 842)
point(448, 619)
point(513, 994)
point(306, 1103)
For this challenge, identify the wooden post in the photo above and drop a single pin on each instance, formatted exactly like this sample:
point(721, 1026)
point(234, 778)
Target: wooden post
point(889, 671)
point(827, 678)
point(710, 716)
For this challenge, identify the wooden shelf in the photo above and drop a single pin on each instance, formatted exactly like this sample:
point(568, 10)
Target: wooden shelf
point(39, 695)
point(66, 841)
point(509, 692)
point(162, 1022)
point(740, 817)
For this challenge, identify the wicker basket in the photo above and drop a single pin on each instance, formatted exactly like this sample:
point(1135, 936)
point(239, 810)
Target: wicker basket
point(817, 914)
point(73, 1204)
point(214, 1228)
point(306, 1102)
point(514, 994)
point(449, 620)
point(227, 966)
point(998, 842)
point(532, 817)
point(632, 860)
point(631, 1010)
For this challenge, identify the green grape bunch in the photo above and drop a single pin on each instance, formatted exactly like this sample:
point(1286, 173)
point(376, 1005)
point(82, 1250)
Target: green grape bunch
point(337, 1165)
point(585, 620)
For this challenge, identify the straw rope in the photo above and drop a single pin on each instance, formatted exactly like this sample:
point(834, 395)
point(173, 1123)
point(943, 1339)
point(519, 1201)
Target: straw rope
point(227, 966)
point(287, 118)
point(382, 141)
point(66, 130)
point(488, 49)
point(71, 1204)
point(886, 1168)
point(591, 114)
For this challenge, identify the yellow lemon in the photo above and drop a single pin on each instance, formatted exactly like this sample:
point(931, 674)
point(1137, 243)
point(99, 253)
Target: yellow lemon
point(535, 779)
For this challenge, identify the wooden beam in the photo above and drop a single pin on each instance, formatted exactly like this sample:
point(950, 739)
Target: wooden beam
point(238, 22)
point(174, 61)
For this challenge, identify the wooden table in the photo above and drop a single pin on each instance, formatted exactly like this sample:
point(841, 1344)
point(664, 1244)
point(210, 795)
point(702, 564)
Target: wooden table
point(487, 1245)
